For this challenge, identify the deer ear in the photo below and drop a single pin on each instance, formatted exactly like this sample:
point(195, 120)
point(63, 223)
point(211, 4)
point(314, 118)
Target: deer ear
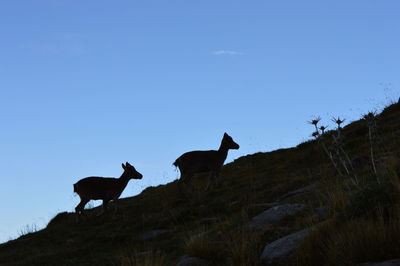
point(123, 166)
point(225, 135)
point(128, 164)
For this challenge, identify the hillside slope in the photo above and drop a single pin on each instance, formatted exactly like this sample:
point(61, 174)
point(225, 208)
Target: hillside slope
point(213, 225)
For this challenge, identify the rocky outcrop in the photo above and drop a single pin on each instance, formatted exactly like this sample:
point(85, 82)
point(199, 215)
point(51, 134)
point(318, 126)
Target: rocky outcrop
point(280, 250)
point(274, 215)
point(321, 213)
point(395, 262)
point(154, 233)
point(300, 191)
point(263, 205)
point(209, 220)
point(192, 261)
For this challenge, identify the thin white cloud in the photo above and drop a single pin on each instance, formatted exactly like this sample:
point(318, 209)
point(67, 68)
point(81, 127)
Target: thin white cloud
point(226, 52)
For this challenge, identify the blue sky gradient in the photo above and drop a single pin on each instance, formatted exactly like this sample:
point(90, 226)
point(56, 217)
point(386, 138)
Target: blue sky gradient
point(87, 85)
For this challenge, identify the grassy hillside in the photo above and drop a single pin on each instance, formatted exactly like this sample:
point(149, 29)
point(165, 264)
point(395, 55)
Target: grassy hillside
point(362, 224)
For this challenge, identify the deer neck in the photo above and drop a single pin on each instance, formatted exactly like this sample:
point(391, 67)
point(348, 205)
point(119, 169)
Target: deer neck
point(123, 181)
point(223, 151)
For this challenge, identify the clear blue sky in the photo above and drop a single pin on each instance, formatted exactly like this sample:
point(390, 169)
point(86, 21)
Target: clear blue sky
point(87, 85)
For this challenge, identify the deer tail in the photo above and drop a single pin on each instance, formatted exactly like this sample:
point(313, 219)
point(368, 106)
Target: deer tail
point(75, 188)
point(176, 163)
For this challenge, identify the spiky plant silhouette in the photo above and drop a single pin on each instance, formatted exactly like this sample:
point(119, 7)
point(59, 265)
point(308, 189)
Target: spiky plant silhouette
point(319, 135)
point(335, 151)
point(370, 119)
point(377, 144)
point(323, 128)
point(338, 148)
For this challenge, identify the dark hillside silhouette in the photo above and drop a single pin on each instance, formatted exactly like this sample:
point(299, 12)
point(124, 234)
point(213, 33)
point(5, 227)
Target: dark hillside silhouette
point(288, 206)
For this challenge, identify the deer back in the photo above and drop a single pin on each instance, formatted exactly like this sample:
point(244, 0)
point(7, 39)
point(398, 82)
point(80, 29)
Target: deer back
point(200, 161)
point(99, 188)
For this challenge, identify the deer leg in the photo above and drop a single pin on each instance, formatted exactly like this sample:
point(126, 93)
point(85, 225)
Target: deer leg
point(115, 205)
point(187, 183)
point(184, 183)
point(105, 207)
point(216, 179)
point(79, 208)
point(184, 177)
point(211, 181)
point(182, 188)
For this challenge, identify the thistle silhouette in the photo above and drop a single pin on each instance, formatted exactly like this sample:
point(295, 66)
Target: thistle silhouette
point(338, 121)
point(315, 134)
point(323, 128)
point(319, 135)
point(370, 118)
point(315, 122)
point(335, 151)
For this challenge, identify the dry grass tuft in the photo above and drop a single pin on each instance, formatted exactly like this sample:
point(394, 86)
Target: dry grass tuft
point(147, 258)
point(351, 242)
point(363, 241)
point(244, 247)
point(199, 244)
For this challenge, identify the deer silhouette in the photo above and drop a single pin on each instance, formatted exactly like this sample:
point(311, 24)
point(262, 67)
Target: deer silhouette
point(194, 162)
point(103, 188)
